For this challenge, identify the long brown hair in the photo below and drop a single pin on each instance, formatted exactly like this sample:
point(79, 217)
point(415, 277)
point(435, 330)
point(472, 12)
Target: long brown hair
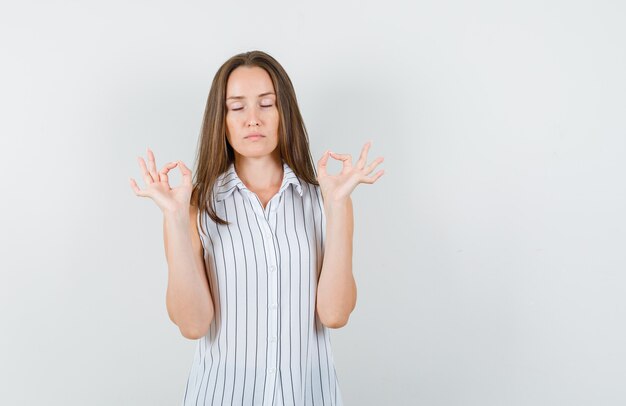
point(215, 154)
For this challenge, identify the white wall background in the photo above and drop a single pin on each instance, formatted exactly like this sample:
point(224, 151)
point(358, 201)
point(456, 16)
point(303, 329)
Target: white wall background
point(490, 258)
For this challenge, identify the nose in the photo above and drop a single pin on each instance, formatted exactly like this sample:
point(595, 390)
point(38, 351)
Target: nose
point(253, 118)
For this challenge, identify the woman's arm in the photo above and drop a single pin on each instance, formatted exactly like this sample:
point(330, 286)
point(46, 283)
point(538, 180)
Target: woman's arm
point(188, 298)
point(336, 289)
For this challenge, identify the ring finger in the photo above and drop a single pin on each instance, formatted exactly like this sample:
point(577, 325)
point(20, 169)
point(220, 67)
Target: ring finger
point(373, 165)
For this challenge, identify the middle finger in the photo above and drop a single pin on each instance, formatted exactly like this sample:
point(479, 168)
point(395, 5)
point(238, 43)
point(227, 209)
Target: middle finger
point(363, 158)
point(152, 165)
point(144, 171)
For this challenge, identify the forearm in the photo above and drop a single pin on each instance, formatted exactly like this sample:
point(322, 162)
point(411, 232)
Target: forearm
point(188, 298)
point(336, 290)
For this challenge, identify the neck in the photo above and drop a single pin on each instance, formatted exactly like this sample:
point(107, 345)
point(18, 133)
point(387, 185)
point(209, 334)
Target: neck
point(259, 173)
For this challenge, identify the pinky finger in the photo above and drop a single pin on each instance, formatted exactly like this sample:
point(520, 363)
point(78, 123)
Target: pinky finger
point(135, 188)
point(375, 177)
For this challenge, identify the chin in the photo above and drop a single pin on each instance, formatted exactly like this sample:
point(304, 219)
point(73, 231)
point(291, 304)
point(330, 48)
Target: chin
point(254, 152)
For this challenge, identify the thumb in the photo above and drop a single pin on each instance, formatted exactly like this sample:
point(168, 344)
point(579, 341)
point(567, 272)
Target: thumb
point(186, 172)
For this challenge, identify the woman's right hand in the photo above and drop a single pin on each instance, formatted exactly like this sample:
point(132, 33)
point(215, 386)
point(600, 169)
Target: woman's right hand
point(158, 187)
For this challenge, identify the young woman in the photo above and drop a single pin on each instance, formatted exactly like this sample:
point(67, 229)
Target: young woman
point(258, 246)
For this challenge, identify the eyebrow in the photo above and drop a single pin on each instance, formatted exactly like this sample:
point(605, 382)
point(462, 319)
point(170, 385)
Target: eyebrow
point(241, 97)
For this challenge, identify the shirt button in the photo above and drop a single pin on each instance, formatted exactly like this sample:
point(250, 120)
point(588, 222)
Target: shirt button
point(274, 306)
point(272, 268)
point(272, 370)
point(272, 339)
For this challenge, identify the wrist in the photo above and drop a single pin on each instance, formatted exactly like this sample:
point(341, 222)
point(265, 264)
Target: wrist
point(176, 214)
point(338, 204)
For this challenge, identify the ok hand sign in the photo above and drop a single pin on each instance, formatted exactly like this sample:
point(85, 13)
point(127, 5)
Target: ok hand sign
point(338, 187)
point(158, 188)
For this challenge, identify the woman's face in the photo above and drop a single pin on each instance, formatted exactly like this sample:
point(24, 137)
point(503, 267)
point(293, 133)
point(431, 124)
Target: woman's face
point(251, 109)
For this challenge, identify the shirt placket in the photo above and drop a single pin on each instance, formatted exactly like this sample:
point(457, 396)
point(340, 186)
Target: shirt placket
point(268, 220)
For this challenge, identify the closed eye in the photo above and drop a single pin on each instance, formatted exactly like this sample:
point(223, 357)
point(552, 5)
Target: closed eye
point(240, 108)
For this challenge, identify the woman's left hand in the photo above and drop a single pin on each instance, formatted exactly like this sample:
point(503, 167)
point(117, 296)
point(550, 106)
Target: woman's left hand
point(338, 187)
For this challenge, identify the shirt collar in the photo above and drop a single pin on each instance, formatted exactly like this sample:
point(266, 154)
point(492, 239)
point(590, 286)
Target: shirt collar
point(229, 180)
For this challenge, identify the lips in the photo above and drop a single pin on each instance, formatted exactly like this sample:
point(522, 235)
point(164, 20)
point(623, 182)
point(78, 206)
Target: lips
point(254, 135)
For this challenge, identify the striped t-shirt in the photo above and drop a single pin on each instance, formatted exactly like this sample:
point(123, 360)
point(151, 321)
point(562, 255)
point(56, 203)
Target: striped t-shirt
point(266, 345)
